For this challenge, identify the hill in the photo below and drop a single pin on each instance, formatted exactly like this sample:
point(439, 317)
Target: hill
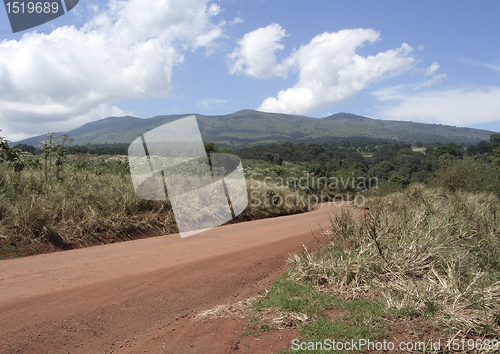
point(248, 127)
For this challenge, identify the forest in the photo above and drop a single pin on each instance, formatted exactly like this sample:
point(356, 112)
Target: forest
point(390, 161)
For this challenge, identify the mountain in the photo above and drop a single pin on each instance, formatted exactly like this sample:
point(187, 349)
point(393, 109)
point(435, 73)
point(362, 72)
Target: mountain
point(248, 127)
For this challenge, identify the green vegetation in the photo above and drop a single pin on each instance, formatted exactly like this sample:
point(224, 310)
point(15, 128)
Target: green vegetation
point(428, 258)
point(425, 257)
point(43, 205)
point(10, 155)
point(61, 201)
point(248, 127)
point(350, 166)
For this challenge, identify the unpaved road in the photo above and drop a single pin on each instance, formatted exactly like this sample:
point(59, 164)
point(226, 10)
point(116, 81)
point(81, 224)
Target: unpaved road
point(138, 296)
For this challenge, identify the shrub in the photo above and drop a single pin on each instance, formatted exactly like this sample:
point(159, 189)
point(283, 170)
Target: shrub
point(428, 252)
point(469, 174)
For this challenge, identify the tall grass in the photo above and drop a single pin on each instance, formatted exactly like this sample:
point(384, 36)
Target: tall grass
point(83, 207)
point(428, 252)
point(91, 201)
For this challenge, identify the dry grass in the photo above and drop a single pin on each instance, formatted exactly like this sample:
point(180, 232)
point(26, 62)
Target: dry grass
point(427, 252)
point(81, 207)
point(240, 309)
point(267, 319)
point(92, 201)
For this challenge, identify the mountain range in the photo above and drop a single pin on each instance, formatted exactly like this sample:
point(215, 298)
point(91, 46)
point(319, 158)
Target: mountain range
point(248, 127)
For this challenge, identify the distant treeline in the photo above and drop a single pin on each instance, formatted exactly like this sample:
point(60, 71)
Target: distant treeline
point(396, 162)
point(387, 160)
point(94, 149)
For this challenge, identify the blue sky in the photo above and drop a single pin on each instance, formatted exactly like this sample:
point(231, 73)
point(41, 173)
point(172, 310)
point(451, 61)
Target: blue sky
point(422, 61)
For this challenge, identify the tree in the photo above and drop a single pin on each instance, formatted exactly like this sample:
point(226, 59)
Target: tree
point(495, 140)
point(10, 155)
point(497, 156)
point(318, 168)
point(272, 158)
point(26, 148)
point(49, 146)
point(397, 179)
point(451, 149)
point(314, 149)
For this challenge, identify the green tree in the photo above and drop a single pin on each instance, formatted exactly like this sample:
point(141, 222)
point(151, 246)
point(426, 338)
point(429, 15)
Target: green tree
point(451, 149)
point(10, 155)
point(495, 140)
point(397, 179)
point(318, 168)
point(497, 156)
point(272, 158)
point(50, 146)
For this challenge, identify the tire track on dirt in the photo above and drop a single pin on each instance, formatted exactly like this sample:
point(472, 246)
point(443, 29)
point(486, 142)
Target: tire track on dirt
point(113, 297)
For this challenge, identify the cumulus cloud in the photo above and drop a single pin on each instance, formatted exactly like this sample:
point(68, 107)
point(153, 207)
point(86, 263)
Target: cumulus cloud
point(330, 70)
point(73, 75)
point(255, 55)
point(460, 106)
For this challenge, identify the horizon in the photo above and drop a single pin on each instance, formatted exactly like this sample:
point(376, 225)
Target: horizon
point(410, 62)
point(246, 109)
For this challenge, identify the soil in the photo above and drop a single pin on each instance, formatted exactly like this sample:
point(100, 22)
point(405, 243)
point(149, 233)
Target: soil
point(141, 296)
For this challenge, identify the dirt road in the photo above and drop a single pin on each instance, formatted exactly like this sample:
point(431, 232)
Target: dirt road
point(138, 296)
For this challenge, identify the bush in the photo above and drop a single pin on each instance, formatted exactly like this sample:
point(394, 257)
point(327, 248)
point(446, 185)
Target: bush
point(469, 174)
point(431, 253)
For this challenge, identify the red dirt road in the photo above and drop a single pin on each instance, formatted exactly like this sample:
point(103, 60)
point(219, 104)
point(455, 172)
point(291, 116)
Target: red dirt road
point(138, 296)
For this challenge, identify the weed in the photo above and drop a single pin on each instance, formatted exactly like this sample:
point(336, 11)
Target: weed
point(427, 252)
point(90, 200)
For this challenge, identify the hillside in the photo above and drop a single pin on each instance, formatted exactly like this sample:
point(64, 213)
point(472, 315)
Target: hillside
point(249, 127)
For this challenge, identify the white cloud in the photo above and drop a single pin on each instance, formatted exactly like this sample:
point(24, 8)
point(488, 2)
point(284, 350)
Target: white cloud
point(210, 103)
point(431, 69)
point(391, 93)
point(330, 71)
point(236, 20)
point(18, 129)
point(72, 75)
point(481, 64)
point(460, 106)
point(436, 79)
point(255, 55)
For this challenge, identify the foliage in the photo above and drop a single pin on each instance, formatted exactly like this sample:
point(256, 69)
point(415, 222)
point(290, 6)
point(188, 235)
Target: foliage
point(429, 253)
point(469, 174)
point(10, 155)
point(51, 146)
point(212, 148)
point(93, 202)
point(395, 162)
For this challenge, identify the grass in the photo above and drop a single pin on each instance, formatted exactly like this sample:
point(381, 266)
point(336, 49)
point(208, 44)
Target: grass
point(92, 201)
point(84, 206)
point(427, 252)
point(289, 303)
point(427, 258)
